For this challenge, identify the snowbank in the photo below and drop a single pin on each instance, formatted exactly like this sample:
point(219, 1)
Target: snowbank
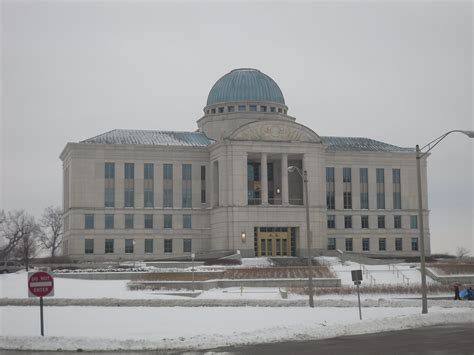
point(98, 328)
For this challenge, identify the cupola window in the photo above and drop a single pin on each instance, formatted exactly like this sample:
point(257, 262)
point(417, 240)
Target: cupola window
point(213, 111)
point(263, 108)
point(242, 107)
point(230, 108)
point(272, 109)
point(253, 108)
point(221, 109)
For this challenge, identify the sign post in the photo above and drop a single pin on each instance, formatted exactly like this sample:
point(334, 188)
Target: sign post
point(40, 284)
point(357, 278)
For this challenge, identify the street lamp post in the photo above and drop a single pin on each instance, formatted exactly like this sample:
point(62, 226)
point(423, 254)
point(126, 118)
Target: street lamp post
point(304, 176)
point(192, 257)
point(419, 155)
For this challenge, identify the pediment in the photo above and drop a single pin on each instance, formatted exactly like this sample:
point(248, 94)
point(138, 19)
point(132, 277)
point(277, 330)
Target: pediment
point(275, 131)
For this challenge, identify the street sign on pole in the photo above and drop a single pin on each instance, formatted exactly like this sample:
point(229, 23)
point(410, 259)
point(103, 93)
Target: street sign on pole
point(357, 278)
point(40, 284)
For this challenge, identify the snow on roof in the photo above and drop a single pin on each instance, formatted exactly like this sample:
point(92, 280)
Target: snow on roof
point(359, 144)
point(127, 136)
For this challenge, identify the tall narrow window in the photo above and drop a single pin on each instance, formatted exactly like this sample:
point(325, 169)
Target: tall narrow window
point(109, 246)
point(397, 195)
point(148, 221)
point(148, 246)
point(381, 221)
point(167, 185)
point(365, 244)
point(414, 244)
point(187, 245)
point(347, 187)
point(331, 243)
point(398, 244)
point(187, 221)
point(364, 188)
point(148, 185)
point(109, 221)
point(129, 200)
point(397, 222)
point(168, 245)
point(129, 246)
point(348, 244)
point(347, 221)
point(89, 221)
point(203, 184)
point(89, 246)
point(187, 186)
point(364, 222)
point(109, 185)
point(413, 222)
point(129, 221)
point(331, 221)
point(382, 244)
point(168, 221)
point(330, 193)
point(380, 189)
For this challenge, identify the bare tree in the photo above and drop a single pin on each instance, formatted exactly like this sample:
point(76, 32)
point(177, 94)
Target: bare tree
point(461, 252)
point(51, 229)
point(27, 247)
point(14, 226)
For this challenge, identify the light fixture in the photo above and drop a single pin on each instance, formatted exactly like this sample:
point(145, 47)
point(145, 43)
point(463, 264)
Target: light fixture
point(278, 191)
point(243, 237)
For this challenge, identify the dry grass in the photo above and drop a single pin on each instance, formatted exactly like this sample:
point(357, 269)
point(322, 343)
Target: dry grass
point(396, 289)
point(241, 273)
point(453, 269)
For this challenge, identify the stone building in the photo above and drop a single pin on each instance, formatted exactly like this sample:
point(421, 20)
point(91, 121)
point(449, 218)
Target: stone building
point(133, 194)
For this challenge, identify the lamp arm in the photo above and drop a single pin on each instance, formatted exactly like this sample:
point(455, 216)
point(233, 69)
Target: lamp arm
point(435, 142)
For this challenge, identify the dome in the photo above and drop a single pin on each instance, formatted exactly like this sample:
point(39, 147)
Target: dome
point(245, 84)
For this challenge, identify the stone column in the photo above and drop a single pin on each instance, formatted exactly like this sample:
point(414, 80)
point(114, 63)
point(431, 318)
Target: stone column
point(284, 179)
point(264, 179)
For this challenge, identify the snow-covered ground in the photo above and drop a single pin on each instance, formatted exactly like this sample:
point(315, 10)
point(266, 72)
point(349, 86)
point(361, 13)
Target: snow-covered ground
point(108, 328)
point(377, 275)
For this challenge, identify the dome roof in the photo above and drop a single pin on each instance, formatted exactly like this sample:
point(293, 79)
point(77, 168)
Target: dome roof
point(245, 84)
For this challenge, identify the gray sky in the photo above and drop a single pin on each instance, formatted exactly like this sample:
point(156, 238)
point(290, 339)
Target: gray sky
point(396, 72)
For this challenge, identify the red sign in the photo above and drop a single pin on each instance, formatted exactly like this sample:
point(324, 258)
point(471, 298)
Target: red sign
point(40, 284)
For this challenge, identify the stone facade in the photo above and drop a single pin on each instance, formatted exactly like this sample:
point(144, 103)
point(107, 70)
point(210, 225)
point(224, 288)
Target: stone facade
point(237, 190)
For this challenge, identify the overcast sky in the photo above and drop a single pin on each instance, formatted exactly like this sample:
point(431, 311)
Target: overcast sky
point(399, 72)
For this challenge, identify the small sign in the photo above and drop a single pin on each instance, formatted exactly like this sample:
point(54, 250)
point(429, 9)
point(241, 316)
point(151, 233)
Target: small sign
point(40, 284)
point(356, 275)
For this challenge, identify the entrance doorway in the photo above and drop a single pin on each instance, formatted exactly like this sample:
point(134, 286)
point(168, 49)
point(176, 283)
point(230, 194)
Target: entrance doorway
point(273, 241)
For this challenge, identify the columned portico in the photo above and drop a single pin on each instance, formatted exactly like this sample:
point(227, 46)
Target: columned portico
point(284, 179)
point(264, 179)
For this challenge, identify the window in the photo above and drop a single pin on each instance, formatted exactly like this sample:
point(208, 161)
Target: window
point(253, 108)
point(148, 176)
point(89, 221)
point(397, 222)
point(148, 246)
point(280, 110)
point(331, 243)
point(230, 108)
point(330, 193)
point(203, 184)
point(347, 221)
point(167, 185)
point(348, 244)
point(109, 185)
point(129, 221)
point(242, 107)
point(347, 187)
point(397, 195)
point(109, 221)
point(221, 109)
point(187, 191)
point(382, 242)
point(129, 246)
point(365, 244)
point(364, 222)
point(398, 244)
point(168, 245)
point(272, 109)
point(380, 179)
point(414, 244)
point(187, 245)
point(263, 108)
point(168, 221)
point(381, 221)
point(213, 110)
point(129, 200)
point(187, 221)
point(364, 188)
point(109, 246)
point(413, 222)
point(148, 221)
point(89, 246)
point(331, 221)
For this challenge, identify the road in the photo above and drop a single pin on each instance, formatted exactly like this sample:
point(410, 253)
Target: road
point(436, 340)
